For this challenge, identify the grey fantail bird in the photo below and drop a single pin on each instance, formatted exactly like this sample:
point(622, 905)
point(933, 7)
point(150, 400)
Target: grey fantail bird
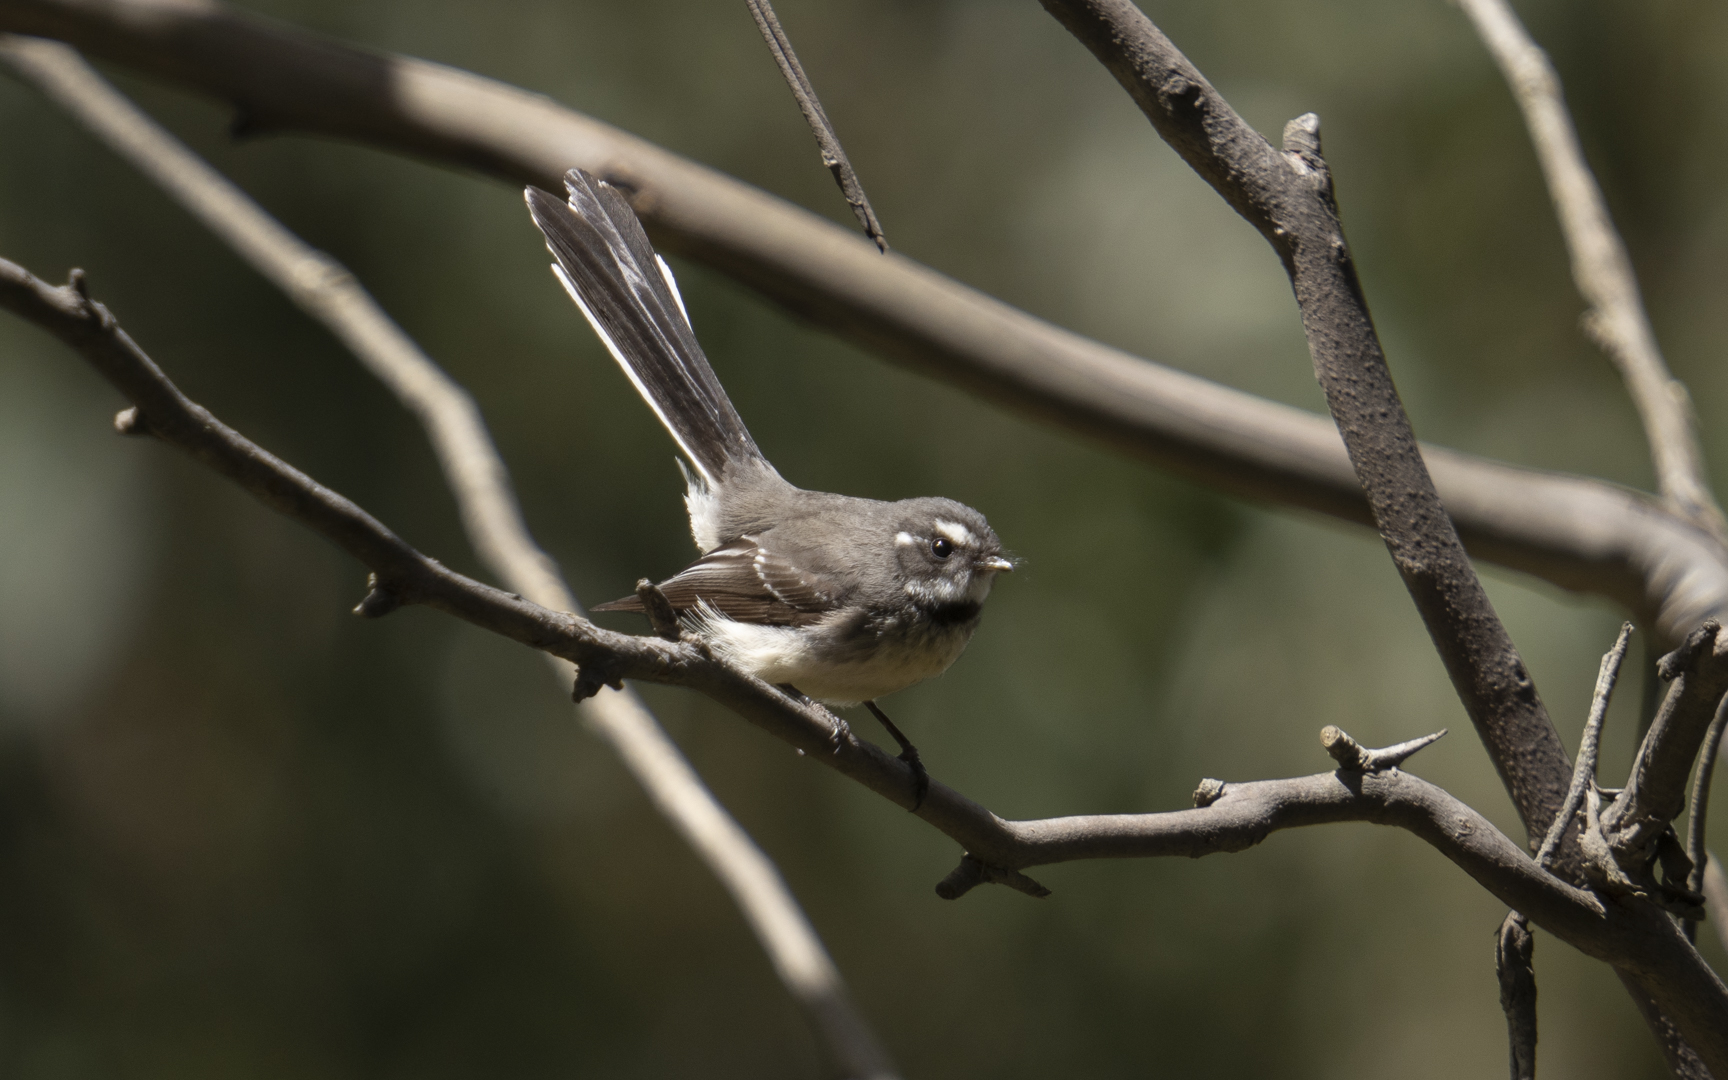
point(839, 598)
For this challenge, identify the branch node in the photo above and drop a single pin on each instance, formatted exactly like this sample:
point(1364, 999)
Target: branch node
point(79, 283)
point(380, 600)
point(659, 610)
point(131, 422)
point(1209, 792)
point(972, 873)
point(592, 676)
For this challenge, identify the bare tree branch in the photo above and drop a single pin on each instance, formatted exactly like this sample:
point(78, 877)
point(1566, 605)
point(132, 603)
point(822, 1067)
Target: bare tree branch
point(1584, 770)
point(490, 514)
point(1656, 792)
point(1514, 952)
point(1698, 808)
point(1581, 534)
point(833, 154)
point(1290, 200)
point(1637, 938)
point(1600, 266)
point(1288, 197)
point(1715, 892)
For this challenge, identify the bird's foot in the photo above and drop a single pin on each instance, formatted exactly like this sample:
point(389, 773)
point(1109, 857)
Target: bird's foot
point(908, 754)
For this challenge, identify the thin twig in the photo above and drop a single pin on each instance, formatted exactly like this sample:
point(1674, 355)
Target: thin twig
point(1715, 892)
point(1600, 266)
point(1698, 811)
point(833, 155)
point(490, 514)
point(1585, 535)
point(1584, 770)
point(1638, 939)
point(1697, 817)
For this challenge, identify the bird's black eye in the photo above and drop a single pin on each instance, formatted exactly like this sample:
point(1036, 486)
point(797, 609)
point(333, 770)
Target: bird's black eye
point(941, 547)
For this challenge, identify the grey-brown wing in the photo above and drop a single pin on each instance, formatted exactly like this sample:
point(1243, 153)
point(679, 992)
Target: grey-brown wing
point(749, 583)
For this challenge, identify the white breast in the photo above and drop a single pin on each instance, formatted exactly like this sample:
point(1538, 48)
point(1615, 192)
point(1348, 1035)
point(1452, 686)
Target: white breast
point(797, 656)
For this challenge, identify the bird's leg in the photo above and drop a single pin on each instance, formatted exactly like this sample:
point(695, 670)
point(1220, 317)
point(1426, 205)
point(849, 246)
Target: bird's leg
point(841, 730)
point(908, 754)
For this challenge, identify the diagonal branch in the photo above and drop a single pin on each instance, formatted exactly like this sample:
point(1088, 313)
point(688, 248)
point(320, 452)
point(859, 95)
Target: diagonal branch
point(1600, 266)
point(1578, 533)
point(834, 157)
point(1288, 197)
point(490, 515)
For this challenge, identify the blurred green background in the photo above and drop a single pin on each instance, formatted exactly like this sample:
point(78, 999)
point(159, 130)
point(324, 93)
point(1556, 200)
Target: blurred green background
point(244, 834)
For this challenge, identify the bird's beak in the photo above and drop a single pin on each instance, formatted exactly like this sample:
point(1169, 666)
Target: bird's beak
point(997, 563)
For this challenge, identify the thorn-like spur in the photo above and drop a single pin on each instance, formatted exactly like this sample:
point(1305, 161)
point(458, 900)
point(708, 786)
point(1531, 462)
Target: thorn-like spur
point(1352, 755)
point(908, 754)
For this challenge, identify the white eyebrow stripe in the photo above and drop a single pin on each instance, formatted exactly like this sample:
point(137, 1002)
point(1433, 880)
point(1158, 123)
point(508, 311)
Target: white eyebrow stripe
point(905, 539)
point(955, 531)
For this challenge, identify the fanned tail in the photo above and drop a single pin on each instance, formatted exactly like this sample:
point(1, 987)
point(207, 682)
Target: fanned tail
point(627, 293)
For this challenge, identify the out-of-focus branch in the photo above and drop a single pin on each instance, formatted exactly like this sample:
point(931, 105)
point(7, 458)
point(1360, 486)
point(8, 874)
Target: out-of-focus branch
point(1715, 892)
point(1288, 197)
point(833, 154)
point(1637, 938)
point(1578, 533)
point(1600, 266)
point(490, 515)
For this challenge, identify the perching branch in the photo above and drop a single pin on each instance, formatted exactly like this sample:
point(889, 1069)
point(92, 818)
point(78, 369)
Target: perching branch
point(491, 517)
point(1600, 266)
point(833, 154)
point(1637, 938)
point(1578, 533)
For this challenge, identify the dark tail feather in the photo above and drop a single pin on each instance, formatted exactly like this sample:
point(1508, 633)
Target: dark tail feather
point(611, 271)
